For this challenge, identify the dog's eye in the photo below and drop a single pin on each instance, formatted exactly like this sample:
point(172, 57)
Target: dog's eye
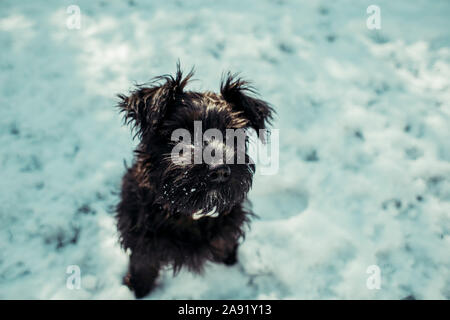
point(178, 140)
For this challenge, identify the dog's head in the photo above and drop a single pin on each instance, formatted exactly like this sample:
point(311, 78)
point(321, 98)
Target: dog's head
point(193, 146)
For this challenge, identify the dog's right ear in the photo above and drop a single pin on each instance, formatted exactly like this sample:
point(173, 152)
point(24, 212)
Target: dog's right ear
point(146, 106)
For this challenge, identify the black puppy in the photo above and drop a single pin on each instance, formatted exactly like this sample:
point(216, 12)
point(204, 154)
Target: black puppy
point(175, 213)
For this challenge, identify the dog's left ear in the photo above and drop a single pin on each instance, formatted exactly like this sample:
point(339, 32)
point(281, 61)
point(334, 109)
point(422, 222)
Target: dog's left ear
point(243, 98)
point(147, 106)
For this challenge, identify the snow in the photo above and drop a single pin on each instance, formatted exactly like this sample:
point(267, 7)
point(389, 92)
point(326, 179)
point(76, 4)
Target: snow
point(364, 175)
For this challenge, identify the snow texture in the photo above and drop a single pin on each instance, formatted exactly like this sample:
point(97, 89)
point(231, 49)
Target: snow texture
point(364, 119)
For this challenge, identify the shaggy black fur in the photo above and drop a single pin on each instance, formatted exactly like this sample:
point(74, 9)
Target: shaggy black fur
point(158, 197)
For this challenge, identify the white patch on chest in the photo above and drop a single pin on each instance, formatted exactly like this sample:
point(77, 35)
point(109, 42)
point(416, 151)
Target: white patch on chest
point(200, 214)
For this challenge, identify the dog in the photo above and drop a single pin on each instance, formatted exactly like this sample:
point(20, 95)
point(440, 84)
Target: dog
point(183, 214)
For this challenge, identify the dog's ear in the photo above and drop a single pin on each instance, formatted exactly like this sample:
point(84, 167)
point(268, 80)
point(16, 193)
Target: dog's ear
point(243, 98)
point(146, 106)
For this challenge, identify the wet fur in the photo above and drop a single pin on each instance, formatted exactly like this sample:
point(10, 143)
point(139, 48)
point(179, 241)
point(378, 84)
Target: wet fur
point(154, 214)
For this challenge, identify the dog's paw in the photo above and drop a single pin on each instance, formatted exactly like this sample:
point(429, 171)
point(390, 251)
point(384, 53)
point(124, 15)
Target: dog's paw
point(127, 280)
point(139, 289)
point(231, 259)
point(141, 292)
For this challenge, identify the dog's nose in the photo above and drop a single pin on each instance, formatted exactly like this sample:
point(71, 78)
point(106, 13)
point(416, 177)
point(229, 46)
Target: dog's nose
point(220, 173)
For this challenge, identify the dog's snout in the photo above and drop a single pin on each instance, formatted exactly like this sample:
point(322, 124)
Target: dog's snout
point(220, 173)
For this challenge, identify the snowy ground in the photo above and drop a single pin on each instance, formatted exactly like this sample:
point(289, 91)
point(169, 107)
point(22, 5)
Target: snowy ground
point(364, 119)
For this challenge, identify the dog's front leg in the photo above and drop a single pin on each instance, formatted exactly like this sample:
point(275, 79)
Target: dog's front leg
point(142, 274)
